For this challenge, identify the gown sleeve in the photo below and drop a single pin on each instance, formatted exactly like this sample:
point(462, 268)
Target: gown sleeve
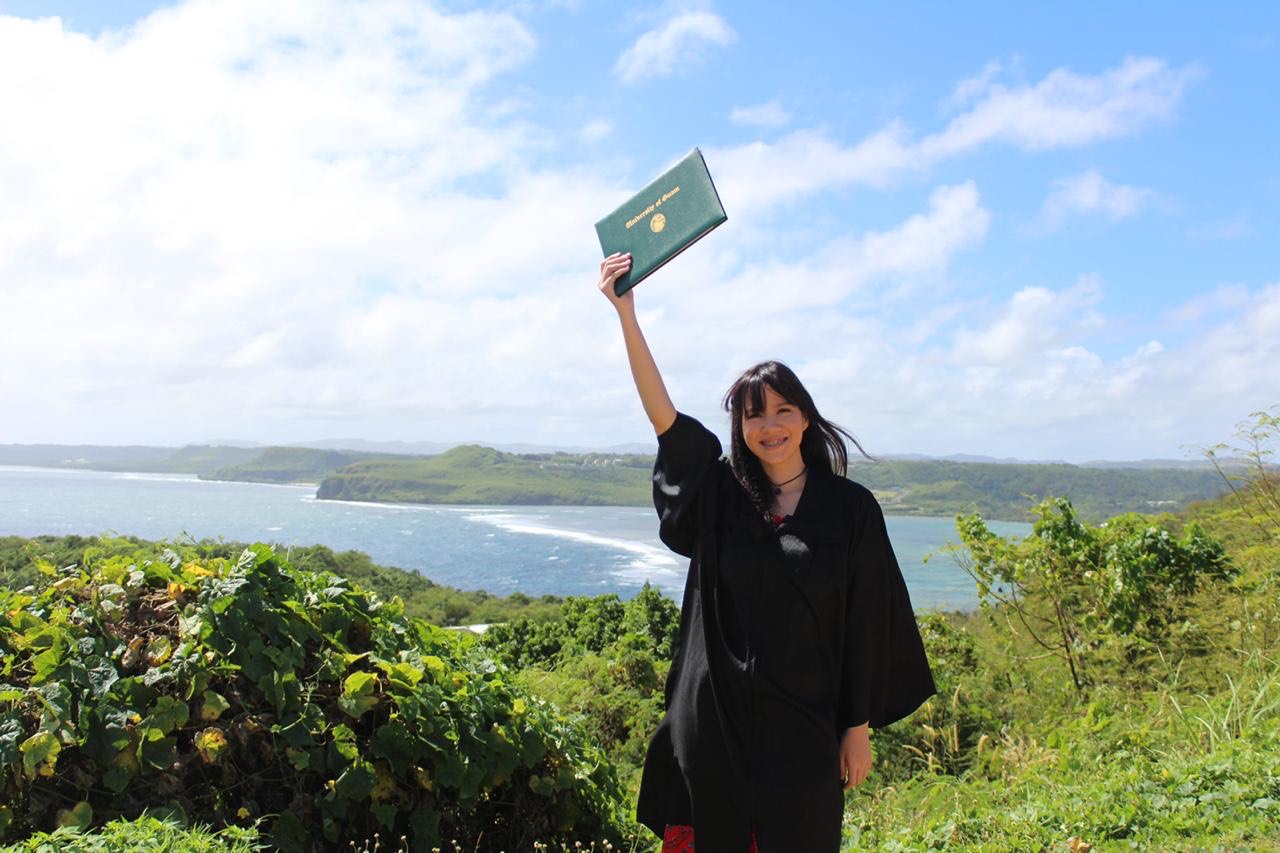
point(687, 456)
point(885, 674)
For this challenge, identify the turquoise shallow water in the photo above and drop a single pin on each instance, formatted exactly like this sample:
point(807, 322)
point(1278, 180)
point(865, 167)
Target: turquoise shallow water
point(502, 549)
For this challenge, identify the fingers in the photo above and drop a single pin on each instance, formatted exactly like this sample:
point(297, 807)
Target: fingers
point(853, 773)
point(612, 267)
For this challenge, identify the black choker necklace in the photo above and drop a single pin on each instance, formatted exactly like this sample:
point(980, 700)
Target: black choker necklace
point(777, 487)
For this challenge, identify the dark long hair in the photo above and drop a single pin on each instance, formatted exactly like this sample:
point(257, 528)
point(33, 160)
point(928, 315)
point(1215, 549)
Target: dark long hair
point(823, 442)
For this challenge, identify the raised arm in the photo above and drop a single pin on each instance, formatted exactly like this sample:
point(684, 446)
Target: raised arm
point(653, 394)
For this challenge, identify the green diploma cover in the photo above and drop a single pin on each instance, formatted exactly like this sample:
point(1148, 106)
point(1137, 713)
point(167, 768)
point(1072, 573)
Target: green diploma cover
point(662, 220)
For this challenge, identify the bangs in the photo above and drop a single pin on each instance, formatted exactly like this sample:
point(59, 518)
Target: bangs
point(749, 394)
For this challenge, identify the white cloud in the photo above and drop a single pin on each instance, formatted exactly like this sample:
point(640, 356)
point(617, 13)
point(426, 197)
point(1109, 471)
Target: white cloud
point(204, 209)
point(301, 220)
point(768, 114)
point(1066, 109)
point(1089, 192)
point(841, 269)
point(1022, 379)
point(1224, 299)
point(673, 45)
point(971, 87)
point(1063, 110)
point(1035, 319)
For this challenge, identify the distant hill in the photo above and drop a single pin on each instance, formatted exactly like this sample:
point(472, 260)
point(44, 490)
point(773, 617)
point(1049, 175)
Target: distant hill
point(433, 448)
point(192, 459)
point(1003, 490)
point(288, 465)
point(476, 474)
point(481, 475)
point(473, 474)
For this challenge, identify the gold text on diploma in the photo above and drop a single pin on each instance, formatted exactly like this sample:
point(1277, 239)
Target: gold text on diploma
point(642, 214)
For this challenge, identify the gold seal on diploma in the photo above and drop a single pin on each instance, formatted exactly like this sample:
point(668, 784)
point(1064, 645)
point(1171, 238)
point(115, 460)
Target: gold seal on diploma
point(657, 223)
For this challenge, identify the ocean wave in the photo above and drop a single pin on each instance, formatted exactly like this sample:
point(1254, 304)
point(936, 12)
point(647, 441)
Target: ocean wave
point(638, 561)
point(373, 505)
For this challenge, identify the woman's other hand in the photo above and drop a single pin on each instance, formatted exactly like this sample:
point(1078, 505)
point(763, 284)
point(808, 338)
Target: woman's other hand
point(611, 268)
point(855, 755)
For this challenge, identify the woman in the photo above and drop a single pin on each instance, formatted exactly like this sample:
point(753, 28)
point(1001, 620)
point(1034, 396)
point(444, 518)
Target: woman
point(796, 632)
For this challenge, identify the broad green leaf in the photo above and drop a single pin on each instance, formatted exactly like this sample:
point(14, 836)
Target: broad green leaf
point(356, 782)
point(159, 650)
point(391, 742)
point(169, 714)
point(344, 745)
point(156, 750)
point(299, 758)
point(213, 706)
point(12, 733)
point(79, 816)
point(102, 675)
point(357, 705)
point(357, 693)
point(118, 777)
point(402, 674)
point(40, 754)
point(288, 833)
point(191, 625)
point(360, 683)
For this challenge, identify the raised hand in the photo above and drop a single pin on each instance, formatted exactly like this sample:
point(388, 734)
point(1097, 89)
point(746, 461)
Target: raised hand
point(611, 269)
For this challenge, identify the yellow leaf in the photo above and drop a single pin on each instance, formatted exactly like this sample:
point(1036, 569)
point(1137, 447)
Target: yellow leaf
point(210, 743)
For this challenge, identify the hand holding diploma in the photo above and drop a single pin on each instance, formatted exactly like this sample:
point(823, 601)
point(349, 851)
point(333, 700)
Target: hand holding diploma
point(611, 269)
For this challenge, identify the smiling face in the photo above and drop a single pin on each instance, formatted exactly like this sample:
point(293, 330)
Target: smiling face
point(773, 434)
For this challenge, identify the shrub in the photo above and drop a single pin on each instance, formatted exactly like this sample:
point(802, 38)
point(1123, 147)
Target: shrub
point(239, 691)
point(1077, 589)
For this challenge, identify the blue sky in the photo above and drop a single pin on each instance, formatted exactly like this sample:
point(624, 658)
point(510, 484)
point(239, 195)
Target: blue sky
point(1008, 230)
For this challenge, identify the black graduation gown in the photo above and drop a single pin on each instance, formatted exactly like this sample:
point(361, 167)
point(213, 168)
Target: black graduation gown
point(787, 637)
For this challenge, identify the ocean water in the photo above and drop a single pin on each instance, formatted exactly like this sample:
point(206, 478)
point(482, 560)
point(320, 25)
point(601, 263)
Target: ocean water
point(502, 549)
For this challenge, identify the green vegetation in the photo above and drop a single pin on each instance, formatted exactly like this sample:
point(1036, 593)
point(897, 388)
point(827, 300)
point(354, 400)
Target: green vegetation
point(603, 659)
point(481, 475)
point(1076, 590)
point(1004, 491)
point(1170, 739)
point(1118, 689)
point(247, 692)
point(148, 832)
point(288, 465)
point(422, 598)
